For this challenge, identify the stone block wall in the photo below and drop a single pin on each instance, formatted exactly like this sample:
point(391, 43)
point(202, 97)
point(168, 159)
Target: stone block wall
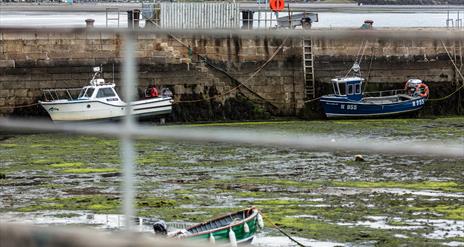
point(208, 82)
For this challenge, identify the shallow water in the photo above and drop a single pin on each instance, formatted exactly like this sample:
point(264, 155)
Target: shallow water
point(321, 197)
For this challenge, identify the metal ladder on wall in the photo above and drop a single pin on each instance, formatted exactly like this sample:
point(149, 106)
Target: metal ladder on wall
point(308, 70)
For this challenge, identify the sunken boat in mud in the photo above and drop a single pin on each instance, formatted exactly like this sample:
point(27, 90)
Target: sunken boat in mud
point(230, 229)
point(349, 100)
point(99, 101)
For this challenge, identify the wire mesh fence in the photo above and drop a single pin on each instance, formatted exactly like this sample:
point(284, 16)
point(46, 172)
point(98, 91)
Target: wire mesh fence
point(129, 129)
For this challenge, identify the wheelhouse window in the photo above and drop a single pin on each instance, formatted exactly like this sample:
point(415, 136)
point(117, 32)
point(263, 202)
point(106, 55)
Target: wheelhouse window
point(350, 89)
point(342, 88)
point(105, 92)
point(358, 88)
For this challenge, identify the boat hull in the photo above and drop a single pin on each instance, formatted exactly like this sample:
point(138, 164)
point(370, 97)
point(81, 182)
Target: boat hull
point(338, 108)
point(87, 110)
point(222, 236)
point(243, 225)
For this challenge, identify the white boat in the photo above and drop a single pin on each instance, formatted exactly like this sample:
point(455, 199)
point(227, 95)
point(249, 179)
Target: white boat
point(99, 101)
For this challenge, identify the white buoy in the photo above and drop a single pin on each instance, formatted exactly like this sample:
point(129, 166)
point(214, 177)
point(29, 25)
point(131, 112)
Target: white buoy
point(232, 238)
point(260, 221)
point(212, 240)
point(246, 228)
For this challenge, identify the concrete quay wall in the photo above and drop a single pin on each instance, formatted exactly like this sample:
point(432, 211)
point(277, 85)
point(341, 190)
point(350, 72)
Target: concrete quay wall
point(206, 83)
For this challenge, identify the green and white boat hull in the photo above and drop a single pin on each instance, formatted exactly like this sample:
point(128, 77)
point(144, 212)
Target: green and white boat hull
point(231, 229)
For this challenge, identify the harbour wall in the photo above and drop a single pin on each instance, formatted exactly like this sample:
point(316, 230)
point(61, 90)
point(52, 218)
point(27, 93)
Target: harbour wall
point(219, 78)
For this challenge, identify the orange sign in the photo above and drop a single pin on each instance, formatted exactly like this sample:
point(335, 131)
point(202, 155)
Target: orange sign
point(277, 5)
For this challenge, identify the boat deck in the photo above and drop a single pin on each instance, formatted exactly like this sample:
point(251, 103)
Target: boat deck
point(387, 99)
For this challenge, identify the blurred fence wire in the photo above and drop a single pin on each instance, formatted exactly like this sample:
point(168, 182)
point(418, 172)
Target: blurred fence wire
point(129, 129)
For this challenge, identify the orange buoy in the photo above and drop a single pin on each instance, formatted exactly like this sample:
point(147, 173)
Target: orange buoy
point(277, 5)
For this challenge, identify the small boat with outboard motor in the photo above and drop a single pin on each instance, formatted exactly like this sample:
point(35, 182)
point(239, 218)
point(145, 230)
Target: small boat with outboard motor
point(230, 229)
point(99, 101)
point(349, 100)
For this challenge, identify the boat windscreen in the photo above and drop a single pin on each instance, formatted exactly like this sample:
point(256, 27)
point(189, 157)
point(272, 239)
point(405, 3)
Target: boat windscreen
point(335, 88)
point(89, 92)
point(341, 87)
point(105, 92)
point(81, 94)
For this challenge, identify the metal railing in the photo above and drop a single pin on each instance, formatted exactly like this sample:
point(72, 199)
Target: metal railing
point(60, 93)
point(228, 16)
point(384, 93)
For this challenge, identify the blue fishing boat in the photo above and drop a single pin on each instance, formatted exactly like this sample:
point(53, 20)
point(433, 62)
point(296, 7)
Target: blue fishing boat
point(349, 100)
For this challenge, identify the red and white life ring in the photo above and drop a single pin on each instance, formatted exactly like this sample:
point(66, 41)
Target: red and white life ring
point(422, 90)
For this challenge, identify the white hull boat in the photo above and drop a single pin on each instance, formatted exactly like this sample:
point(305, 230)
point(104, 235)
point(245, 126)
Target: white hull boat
point(99, 101)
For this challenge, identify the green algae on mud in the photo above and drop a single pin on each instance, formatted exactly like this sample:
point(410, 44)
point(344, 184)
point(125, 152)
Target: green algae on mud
point(425, 185)
point(67, 165)
point(96, 203)
point(309, 194)
point(451, 128)
point(90, 170)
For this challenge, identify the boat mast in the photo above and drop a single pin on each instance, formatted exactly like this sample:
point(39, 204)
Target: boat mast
point(356, 69)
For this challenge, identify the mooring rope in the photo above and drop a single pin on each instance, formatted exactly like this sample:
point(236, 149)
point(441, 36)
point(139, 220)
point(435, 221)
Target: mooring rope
point(19, 106)
point(369, 70)
point(459, 72)
point(311, 100)
point(225, 72)
point(280, 230)
point(241, 83)
point(359, 55)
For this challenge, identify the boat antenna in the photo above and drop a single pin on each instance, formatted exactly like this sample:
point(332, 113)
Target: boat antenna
point(113, 73)
point(97, 71)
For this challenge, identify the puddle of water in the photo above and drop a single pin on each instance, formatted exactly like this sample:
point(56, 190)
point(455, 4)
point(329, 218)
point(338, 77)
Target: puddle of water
point(309, 216)
point(441, 228)
point(430, 193)
point(286, 242)
point(111, 222)
point(454, 243)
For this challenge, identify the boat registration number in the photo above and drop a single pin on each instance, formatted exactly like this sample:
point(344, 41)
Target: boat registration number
point(349, 107)
point(418, 102)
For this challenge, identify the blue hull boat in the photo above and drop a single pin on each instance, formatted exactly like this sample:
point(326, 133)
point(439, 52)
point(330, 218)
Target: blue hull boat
point(348, 100)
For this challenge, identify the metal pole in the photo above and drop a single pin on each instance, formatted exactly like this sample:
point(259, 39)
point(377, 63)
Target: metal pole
point(127, 153)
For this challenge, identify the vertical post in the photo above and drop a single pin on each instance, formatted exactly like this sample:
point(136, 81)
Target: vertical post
point(289, 16)
point(129, 70)
point(118, 18)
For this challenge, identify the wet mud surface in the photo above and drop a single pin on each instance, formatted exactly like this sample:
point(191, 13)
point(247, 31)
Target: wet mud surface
point(322, 198)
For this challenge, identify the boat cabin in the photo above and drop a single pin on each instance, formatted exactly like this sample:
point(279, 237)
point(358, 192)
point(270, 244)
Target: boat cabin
point(348, 87)
point(99, 91)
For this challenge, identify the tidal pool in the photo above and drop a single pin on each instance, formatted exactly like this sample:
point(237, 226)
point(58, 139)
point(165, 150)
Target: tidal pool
point(322, 198)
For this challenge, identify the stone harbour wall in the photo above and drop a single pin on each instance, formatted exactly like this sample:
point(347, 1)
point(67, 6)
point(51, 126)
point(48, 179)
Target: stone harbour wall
point(221, 78)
